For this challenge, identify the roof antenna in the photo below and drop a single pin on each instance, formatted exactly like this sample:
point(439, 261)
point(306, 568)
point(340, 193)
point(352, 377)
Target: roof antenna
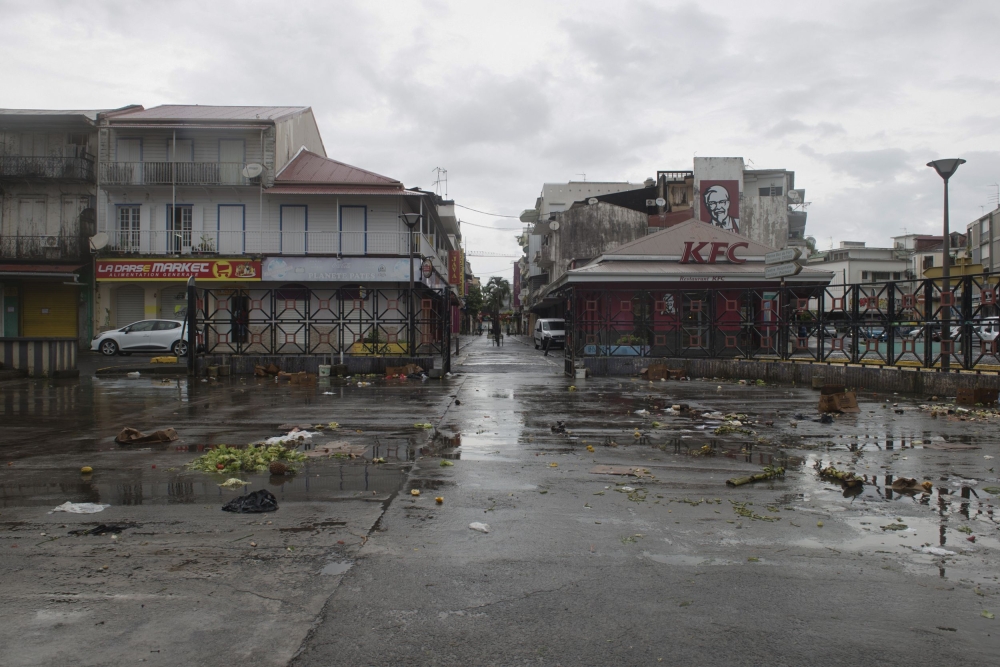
point(442, 179)
point(584, 177)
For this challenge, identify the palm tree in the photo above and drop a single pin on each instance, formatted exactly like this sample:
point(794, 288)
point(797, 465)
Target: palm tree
point(497, 297)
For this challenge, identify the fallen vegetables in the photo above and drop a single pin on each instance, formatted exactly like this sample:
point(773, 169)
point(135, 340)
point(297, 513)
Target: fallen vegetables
point(768, 473)
point(848, 479)
point(743, 510)
point(233, 483)
point(252, 458)
point(422, 425)
point(445, 463)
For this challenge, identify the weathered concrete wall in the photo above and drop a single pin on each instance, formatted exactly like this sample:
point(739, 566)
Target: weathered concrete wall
point(866, 378)
point(765, 218)
point(588, 231)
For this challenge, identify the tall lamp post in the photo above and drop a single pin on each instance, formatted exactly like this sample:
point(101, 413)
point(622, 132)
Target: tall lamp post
point(946, 169)
point(411, 220)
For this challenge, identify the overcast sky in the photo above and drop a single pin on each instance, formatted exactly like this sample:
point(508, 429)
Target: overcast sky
point(854, 96)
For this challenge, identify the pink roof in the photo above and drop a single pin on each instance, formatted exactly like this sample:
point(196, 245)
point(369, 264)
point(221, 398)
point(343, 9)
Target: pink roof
point(294, 189)
point(670, 241)
point(198, 112)
point(309, 168)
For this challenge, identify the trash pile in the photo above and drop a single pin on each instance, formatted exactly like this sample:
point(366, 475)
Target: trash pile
point(253, 503)
point(252, 458)
point(131, 436)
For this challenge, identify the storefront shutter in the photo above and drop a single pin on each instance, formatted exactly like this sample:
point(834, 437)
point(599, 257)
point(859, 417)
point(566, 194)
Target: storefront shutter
point(173, 302)
point(50, 310)
point(130, 305)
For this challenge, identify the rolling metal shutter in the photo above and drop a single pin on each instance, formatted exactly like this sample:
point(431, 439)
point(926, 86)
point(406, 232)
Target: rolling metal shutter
point(173, 302)
point(50, 310)
point(130, 305)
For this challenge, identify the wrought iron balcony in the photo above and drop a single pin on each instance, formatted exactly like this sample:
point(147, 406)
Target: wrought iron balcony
point(175, 173)
point(47, 168)
point(237, 242)
point(42, 247)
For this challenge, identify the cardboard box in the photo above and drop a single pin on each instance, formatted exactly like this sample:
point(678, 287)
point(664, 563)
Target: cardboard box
point(839, 402)
point(974, 396)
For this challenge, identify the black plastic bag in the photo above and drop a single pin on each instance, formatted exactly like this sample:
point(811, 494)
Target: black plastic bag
point(253, 503)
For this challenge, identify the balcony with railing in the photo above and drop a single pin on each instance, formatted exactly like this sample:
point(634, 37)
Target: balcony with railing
point(222, 242)
point(42, 247)
point(28, 167)
point(175, 173)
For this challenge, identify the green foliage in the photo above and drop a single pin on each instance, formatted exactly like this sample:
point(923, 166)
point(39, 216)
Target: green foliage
point(497, 295)
point(252, 458)
point(474, 301)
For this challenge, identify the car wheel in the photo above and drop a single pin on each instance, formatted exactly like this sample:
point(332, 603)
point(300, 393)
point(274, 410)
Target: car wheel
point(109, 348)
point(536, 344)
point(179, 348)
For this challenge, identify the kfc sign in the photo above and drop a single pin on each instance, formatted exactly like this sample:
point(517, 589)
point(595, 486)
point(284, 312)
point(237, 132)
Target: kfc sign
point(710, 252)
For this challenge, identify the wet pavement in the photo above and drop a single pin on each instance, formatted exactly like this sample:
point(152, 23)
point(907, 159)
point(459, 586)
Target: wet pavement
point(579, 567)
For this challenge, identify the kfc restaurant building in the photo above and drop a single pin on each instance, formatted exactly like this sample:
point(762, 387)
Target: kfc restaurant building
point(692, 290)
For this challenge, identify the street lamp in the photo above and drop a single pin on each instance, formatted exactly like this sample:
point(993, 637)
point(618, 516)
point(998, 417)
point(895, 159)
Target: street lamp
point(946, 169)
point(411, 220)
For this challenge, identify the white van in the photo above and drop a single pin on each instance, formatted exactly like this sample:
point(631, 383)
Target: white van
point(553, 330)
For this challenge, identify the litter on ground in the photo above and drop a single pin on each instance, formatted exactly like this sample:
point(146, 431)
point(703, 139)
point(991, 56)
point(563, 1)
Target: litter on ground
point(80, 508)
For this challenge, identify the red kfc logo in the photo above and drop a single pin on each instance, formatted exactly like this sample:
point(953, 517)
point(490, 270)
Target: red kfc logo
point(717, 251)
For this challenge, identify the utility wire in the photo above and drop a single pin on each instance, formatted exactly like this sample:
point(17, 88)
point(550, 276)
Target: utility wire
point(498, 229)
point(498, 215)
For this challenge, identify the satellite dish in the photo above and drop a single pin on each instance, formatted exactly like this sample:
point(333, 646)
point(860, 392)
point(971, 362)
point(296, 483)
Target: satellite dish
point(99, 240)
point(592, 201)
point(660, 201)
point(554, 225)
point(253, 170)
point(795, 196)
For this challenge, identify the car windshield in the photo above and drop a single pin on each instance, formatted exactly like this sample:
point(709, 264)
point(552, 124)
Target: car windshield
point(556, 325)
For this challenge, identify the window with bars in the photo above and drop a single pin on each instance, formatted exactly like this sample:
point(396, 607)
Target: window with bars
point(179, 228)
point(128, 228)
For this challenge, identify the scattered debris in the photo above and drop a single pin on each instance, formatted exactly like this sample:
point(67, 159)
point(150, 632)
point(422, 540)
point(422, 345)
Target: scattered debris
point(80, 508)
point(233, 483)
point(481, 527)
point(559, 427)
point(848, 479)
point(618, 470)
point(938, 551)
point(908, 484)
point(414, 492)
point(987, 614)
point(249, 459)
point(163, 360)
point(743, 510)
point(279, 468)
point(895, 526)
point(131, 436)
point(105, 529)
point(833, 398)
point(423, 425)
point(134, 375)
point(86, 470)
point(768, 473)
point(256, 502)
point(439, 500)
point(445, 463)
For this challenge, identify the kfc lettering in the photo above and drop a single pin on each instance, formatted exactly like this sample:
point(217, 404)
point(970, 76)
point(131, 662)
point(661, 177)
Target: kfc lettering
point(717, 251)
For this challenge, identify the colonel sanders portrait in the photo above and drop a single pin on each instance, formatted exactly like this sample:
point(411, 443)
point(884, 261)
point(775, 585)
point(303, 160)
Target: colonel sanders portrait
point(720, 208)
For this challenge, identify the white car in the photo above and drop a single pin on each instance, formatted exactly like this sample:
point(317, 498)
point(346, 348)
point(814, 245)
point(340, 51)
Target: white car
point(144, 336)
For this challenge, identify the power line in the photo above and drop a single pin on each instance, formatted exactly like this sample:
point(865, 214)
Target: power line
point(498, 229)
point(498, 215)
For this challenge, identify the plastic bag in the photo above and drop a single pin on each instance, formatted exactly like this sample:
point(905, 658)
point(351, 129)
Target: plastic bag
point(80, 508)
point(252, 503)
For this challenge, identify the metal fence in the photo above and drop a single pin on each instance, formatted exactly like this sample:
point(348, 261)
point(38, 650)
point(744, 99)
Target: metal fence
point(175, 173)
point(346, 320)
point(892, 323)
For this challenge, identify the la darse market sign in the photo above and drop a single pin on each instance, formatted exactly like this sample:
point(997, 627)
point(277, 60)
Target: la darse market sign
point(203, 269)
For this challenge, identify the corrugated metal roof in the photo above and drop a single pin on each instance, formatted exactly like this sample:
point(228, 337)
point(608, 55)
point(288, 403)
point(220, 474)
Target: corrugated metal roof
point(308, 167)
point(671, 241)
point(670, 270)
point(89, 114)
point(198, 112)
point(338, 190)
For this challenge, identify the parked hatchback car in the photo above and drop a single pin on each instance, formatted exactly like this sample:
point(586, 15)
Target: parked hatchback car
point(552, 330)
point(144, 336)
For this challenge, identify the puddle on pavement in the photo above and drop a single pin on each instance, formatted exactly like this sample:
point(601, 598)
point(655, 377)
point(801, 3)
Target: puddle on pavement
point(318, 480)
point(337, 568)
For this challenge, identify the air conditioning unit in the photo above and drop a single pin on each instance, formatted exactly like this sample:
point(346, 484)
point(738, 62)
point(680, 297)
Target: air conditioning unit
point(51, 241)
